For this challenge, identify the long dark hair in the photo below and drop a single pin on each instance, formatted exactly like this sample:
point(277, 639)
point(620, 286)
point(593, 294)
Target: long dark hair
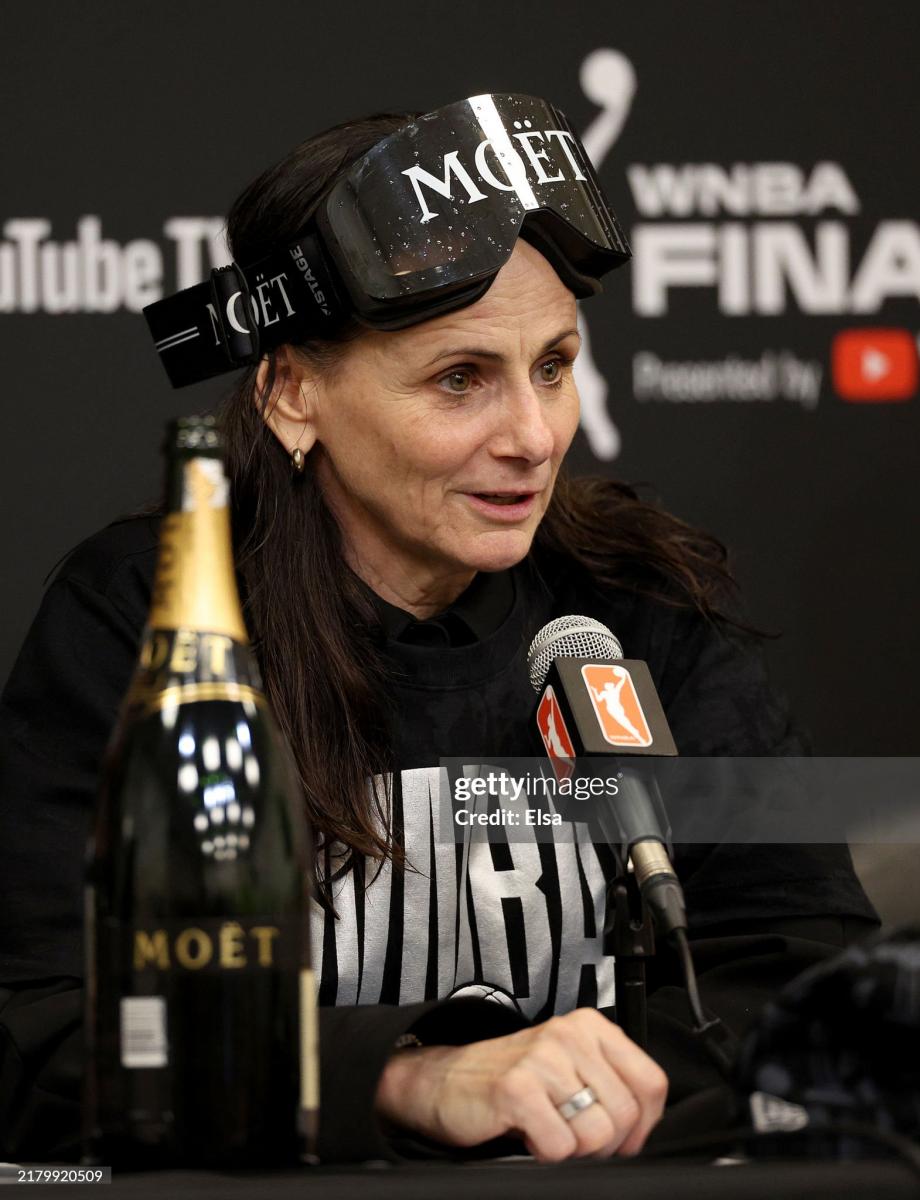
point(314, 630)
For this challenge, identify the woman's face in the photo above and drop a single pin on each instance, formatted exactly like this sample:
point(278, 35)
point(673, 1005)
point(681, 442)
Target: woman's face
point(438, 446)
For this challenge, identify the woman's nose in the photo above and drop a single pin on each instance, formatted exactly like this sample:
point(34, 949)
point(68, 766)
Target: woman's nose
point(525, 430)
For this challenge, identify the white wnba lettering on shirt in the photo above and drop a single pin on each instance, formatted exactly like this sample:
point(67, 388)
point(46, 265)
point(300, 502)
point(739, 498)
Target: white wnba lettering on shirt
point(462, 915)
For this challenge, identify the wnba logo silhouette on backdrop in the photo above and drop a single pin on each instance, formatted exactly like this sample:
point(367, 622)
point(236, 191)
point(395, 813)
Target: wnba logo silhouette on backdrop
point(608, 80)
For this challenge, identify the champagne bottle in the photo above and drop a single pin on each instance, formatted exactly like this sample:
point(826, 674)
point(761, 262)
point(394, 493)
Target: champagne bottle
point(200, 1021)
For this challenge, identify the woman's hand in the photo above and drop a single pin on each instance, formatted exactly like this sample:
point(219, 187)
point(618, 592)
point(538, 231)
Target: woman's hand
point(464, 1095)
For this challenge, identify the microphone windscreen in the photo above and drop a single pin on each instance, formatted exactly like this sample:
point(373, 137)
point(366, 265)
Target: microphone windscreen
point(569, 637)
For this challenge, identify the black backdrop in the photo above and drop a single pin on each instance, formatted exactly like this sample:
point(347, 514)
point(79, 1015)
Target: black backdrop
point(761, 156)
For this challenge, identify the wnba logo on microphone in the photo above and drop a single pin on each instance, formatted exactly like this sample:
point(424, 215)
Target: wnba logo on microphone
point(556, 739)
point(616, 705)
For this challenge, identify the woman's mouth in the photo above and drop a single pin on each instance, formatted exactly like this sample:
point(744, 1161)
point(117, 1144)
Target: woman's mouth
point(503, 506)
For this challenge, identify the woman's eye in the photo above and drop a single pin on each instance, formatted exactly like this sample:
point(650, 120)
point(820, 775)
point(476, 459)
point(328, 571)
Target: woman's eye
point(555, 370)
point(458, 380)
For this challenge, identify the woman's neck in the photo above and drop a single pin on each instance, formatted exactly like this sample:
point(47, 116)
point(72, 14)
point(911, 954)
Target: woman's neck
point(421, 594)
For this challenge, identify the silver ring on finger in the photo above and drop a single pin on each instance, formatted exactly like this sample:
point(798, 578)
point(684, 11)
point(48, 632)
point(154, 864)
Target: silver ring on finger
point(577, 1103)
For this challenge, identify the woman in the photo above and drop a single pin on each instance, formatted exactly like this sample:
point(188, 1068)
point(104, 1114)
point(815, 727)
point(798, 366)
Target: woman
point(402, 532)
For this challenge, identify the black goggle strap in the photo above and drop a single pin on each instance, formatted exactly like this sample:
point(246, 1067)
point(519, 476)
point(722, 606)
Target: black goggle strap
point(239, 313)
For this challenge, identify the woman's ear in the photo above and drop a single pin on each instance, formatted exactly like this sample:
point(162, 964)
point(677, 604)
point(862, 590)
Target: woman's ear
point(290, 409)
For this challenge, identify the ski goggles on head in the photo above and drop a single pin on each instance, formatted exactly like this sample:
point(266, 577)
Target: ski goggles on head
point(418, 226)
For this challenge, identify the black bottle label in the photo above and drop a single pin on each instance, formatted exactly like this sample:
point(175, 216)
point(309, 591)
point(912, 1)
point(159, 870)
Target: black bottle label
point(157, 962)
point(208, 945)
point(183, 982)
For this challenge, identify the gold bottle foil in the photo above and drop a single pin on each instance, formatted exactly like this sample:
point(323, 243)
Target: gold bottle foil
point(194, 587)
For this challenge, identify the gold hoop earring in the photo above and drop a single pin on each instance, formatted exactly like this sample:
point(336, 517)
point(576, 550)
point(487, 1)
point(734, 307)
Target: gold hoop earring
point(297, 460)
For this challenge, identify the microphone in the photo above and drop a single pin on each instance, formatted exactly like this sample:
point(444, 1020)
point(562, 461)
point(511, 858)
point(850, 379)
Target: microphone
point(594, 702)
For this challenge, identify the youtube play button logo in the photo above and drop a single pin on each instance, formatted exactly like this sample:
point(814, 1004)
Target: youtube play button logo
point(874, 364)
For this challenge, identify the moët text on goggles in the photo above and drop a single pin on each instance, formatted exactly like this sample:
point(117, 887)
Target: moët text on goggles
point(419, 225)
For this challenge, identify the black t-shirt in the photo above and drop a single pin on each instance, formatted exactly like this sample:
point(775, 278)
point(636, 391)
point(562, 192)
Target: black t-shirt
point(512, 920)
point(524, 918)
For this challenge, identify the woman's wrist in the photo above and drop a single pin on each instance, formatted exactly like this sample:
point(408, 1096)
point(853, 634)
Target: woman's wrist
point(404, 1101)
